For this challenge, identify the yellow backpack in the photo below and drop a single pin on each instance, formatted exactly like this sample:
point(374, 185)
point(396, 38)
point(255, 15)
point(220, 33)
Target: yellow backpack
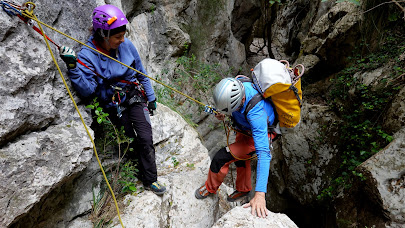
point(281, 85)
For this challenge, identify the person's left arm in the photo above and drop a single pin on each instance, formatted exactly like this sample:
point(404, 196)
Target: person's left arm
point(150, 93)
point(257, 119)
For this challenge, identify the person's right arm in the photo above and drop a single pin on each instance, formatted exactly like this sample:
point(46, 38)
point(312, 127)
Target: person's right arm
point(82, 78)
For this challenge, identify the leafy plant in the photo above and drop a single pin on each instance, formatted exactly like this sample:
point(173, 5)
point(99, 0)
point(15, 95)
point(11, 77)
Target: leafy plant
point(152, 8)
point(191, 166)
point(175, 162)
point(193, 78)
point(98, 207)
point(112, 135)
point(128, 176)
point(274, 2)
point(122, 176)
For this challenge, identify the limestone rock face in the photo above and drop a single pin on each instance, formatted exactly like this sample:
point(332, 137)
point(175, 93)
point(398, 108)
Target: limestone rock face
point(304, 159)
point(37, 163)
point(396, 113)
point(31, 91)
point(42, 141)
point(334, 34)
point(386, 185)
point(241, 217)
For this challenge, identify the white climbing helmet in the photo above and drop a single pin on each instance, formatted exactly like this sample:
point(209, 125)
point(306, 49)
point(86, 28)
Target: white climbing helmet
point(228, 94)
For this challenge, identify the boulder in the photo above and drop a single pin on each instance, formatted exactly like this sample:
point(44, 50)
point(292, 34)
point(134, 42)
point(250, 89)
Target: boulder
point(36, 164)
point(242, 217)
point(386, 186)
point(305, 159)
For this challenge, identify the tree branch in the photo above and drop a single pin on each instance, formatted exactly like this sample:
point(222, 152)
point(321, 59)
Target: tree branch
point(392, 1)
point(399, 5)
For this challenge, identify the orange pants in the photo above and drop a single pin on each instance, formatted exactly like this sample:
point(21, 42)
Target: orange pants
point(242, 148)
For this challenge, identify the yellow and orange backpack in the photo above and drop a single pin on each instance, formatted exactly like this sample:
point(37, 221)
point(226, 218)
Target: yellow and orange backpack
point(281, 85)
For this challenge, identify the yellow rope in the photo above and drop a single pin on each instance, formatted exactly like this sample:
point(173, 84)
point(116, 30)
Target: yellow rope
point(31, 15)
point(40, 22)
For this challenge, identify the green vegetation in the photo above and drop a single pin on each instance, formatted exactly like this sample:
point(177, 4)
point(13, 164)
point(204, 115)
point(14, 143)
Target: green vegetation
point(98, 217)
point(191, 166)
point(194, 78)
point(361, 106)
point(274, 2)
point(357, 2)
point(122, 175)
point(127, 177)
point(175, 162)
point(152, 9)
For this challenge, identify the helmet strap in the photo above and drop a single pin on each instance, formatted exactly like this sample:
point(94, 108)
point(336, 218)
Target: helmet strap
point(242, 102)
point(105, 38)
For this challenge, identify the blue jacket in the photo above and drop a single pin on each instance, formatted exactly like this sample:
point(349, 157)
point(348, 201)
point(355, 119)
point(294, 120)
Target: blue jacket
point(87, 83)
point(258, 119)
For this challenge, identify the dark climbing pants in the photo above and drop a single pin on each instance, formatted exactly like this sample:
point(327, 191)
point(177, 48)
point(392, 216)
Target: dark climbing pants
point(137, 125)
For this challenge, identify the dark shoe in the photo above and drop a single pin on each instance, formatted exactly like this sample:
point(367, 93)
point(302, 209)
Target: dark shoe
point(156, 188)
point(236, 195)
point(202, 192)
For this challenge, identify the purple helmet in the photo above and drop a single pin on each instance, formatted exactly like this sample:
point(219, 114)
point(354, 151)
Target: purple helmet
point(108, 17)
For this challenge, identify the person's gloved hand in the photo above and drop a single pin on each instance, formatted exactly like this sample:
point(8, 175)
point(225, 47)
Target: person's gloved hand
point(68, 56)
point(152, 106)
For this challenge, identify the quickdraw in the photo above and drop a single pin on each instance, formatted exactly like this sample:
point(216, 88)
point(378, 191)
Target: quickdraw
point(209, 109)
point(117, 101)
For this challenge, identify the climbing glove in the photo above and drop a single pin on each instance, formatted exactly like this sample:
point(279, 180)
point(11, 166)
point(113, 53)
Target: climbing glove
point(151, 106)
point(68, 56)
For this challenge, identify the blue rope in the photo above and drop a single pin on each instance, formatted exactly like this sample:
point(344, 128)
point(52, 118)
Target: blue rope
point(8, 11)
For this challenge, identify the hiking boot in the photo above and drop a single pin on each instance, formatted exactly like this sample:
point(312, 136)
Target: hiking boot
point(236, 195)
point(156, 188)
point(202, 192)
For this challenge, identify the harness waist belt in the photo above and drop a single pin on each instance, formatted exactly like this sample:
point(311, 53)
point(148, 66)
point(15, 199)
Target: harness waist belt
point(135, 99)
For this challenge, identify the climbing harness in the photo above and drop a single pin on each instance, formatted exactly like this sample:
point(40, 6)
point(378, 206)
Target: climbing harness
point(228, 128)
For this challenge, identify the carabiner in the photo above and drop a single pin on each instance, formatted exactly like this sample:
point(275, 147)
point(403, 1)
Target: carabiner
point(29, 8)
point(298, 73)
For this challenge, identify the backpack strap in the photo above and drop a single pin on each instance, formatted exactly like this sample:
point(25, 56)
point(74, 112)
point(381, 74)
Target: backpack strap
point(295, 90)
point(255, 99)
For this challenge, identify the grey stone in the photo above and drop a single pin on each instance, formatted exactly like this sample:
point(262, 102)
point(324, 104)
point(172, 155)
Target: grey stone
point(385, 178)
point(242, 217)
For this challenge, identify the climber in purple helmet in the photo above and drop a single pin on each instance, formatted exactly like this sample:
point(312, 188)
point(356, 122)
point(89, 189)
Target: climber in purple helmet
point(126, 95)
